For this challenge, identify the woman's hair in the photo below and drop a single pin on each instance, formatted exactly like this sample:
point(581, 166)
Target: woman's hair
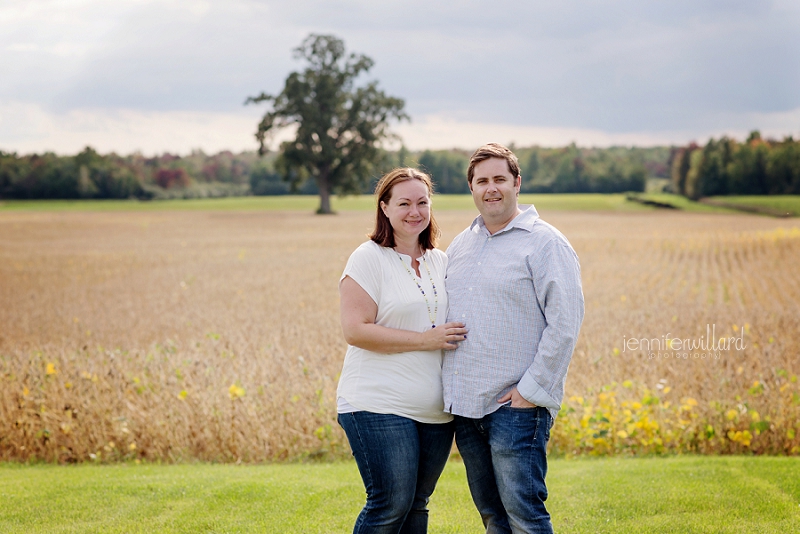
point(383, 234)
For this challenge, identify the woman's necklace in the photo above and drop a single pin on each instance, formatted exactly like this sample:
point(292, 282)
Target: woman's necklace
point(431, 316)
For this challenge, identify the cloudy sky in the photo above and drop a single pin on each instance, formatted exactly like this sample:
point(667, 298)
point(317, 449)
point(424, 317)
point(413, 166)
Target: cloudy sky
point(160, 75)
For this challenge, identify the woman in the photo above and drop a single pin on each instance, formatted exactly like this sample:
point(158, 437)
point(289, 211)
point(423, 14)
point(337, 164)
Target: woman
point(393, 306)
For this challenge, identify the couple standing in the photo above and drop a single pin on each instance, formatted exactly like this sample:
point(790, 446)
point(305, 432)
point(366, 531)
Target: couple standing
point(493, 375)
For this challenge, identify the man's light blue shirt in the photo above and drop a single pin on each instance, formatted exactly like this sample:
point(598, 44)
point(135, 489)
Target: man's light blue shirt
point(519, 293)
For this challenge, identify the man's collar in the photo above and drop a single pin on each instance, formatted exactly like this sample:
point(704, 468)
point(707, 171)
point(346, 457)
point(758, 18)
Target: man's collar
point(524, 221)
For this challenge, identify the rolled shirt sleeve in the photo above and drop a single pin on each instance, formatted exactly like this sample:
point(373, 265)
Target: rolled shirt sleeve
point(557, 284)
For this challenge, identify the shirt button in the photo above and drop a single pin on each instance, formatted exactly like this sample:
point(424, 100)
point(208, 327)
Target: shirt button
point(490, 239)
point(463, 315)
point(479, 263)
point(455, 373)
point(470, 289)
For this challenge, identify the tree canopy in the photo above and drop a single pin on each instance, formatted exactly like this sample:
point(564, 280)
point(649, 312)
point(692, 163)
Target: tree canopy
point(728, 167)
point(339, 126)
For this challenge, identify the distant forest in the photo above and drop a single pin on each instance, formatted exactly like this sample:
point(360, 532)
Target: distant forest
point(728, 167)
point(722, 167)
point(93, 175)
point(557, 170)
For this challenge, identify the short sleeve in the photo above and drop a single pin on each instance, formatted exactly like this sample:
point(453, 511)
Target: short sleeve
point(364, 266)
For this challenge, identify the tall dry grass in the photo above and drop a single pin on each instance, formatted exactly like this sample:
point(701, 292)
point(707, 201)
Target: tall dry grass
point(215, 336)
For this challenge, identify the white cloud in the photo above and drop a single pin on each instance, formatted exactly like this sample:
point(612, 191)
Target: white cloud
point(442, 132)
point(29, 128)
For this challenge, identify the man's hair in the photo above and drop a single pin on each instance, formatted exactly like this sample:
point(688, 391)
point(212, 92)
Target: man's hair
point(383, 234)
point(493, 150)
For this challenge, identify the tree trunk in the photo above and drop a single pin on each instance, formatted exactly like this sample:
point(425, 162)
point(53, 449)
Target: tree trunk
point(324, 195)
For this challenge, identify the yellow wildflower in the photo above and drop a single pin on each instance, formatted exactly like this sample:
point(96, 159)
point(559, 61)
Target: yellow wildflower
point(739, 436)
point(235, 392)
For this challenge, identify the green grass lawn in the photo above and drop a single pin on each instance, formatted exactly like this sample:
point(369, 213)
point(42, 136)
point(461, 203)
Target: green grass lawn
point(675, 495)
point(582, 202)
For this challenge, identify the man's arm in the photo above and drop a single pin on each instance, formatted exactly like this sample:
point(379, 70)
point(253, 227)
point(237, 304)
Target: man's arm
point(557, 281)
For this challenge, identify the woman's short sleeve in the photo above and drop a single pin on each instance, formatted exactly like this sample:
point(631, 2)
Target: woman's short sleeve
point(364, 266)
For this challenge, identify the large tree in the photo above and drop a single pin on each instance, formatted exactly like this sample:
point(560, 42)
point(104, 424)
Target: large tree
point(339, 126)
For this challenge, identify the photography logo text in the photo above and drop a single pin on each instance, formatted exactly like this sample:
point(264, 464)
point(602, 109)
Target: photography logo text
point(667, 347)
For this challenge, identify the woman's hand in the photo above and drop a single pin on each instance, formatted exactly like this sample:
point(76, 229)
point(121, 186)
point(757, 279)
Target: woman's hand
point(444, 336)
point(358, 313)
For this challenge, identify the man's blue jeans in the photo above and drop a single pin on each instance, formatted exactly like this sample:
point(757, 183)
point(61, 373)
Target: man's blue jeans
point(505, 454)
point(400, 461)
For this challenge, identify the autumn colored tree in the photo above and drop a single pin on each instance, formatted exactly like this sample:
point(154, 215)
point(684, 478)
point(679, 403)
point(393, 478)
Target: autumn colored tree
point(168, 178)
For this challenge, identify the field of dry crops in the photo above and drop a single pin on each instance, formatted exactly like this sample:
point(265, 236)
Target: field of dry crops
point(215, 335)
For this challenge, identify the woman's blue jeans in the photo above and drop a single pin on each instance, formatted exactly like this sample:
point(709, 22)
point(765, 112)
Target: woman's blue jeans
point(400, 461)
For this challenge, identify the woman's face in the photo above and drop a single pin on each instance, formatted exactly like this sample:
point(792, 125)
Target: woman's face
point(409, 208)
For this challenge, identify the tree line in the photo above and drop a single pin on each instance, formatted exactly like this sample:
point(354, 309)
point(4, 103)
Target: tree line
point(568, 169)
point(727, 167)
point(90, 174)
point(723, 166)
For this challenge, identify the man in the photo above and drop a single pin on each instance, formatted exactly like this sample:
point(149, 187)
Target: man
point(515, 281)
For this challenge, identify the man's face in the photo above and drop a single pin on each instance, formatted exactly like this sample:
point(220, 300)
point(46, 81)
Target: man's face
point(494, 191)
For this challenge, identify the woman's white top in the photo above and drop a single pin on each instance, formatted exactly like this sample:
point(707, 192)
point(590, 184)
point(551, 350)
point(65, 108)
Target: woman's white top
point(408, 384)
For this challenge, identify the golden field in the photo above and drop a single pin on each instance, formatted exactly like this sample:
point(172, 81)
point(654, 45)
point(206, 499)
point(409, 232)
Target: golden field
point(215, 335)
